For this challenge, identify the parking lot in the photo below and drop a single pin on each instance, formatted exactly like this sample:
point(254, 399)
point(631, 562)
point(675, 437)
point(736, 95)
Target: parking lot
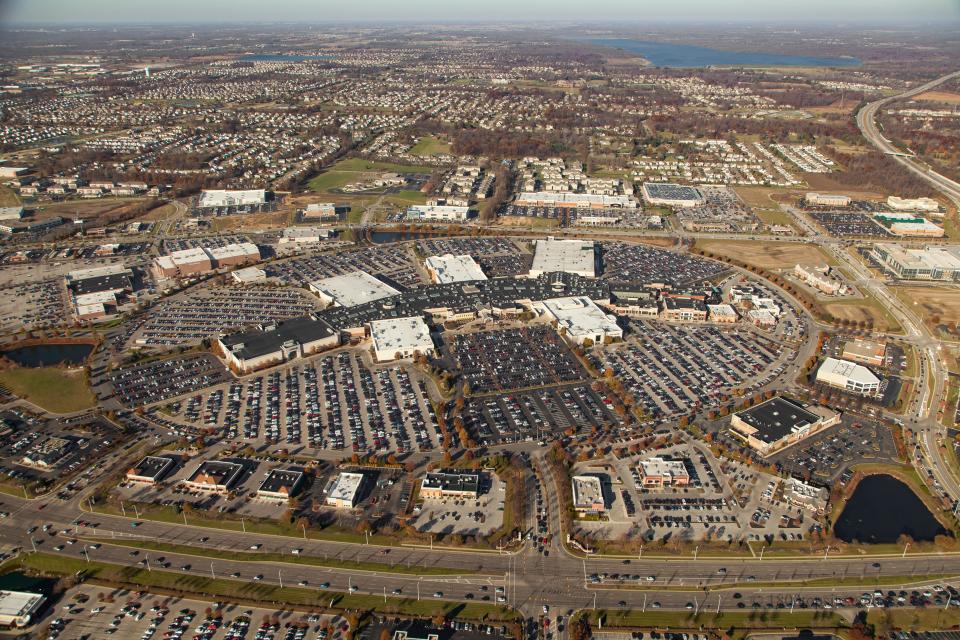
point(42, 451)
point(569, 216)
point(843, 224)
point(633, 264)
point(823, 457)
point(513, 359)
point(463, 515)
point(393, 261)
point(164, 379)
point(92, 612)
point(34, 305)
point(535, 415)
point(450, 630)
point(672, 369)
point(335, 401)
point(207, 312)
point(212, 242)
point(498, 257)
point(722, 210)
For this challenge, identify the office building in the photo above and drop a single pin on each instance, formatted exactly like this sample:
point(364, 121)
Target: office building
point(928, 205)
point(826, 200)
point(941, 263)
point(848, 376)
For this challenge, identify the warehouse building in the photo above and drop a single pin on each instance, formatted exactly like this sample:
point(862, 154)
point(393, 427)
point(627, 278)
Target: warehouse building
point(200, 260)
point(580, 319)
point(271, 344)
point(399, 338)
point(344, 491)
point(568, 256)
point(280, 484)
point(450, 484)
point(826, 200)
point(848, 376)
point(151, 469)
point(451, 268)
point(588, 496)
point(779, 422)
point(666, 194)
point(351, 289)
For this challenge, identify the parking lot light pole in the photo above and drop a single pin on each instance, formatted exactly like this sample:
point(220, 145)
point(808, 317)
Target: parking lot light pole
point(136, 511)
point(762, 549)
point(32, 542)
point(594, 600)
point(280, 575)
point(122, 510)
point(644, 603)
point(243, 525)
point(905, 547)
point(85, 554)
point(696, 550)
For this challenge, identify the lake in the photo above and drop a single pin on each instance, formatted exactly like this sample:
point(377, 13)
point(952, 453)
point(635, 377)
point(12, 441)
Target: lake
point(883, 508)
point(667, 54)
point(281, 57)
point(39, 355)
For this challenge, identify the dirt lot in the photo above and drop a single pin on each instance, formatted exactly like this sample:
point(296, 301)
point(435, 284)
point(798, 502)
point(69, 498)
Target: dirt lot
point(931, 302)
point(767, 254)
point(253, 221)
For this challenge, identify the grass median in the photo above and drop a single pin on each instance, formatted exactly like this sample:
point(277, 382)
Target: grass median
point(204, 588)
point(711, 619)
point(314, 561)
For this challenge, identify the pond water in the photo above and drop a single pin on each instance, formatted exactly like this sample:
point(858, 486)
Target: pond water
point(38, 355)
point(668, 54)
point(881, 509)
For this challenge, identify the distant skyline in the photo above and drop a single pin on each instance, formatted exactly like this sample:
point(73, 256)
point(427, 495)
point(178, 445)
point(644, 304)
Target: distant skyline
point(21, 12)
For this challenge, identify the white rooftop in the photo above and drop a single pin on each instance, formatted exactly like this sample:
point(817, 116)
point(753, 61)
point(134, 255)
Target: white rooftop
point(234, 250)
point(352, 289)
point(98, 272)
point(223, 198)
point(188, 256)
point(946, 258)
point(572, 256)
point(401, 334)
point(849, 370)
point(345, 487)
point(587, 491)
point(581, 316)
point(19, 605)
point(451, 268)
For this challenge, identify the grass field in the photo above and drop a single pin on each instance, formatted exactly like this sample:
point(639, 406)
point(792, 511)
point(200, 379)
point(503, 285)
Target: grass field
point(723, 620)
point(8, 197)
point(913, 619)
point(208, 588)
point(947, 97)
point(775, 216)
point(767, 254)
point(56, 390)
point(931, 303)
point(353, 169)
point(430, 146)
point(867, 309)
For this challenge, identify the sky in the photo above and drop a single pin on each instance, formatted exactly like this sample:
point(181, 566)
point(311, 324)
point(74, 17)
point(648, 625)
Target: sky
point(13, 12)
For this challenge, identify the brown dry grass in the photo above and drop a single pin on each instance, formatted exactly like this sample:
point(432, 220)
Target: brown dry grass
point(248, 222)
point(939, 96)
point(767, 254)
point(932, 301)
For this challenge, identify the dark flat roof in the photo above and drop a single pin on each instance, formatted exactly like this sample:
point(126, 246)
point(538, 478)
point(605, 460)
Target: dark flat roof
point(101, 283)
point(452, 481)
point(259, 342)
point(776, 418)
point(279, 478)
